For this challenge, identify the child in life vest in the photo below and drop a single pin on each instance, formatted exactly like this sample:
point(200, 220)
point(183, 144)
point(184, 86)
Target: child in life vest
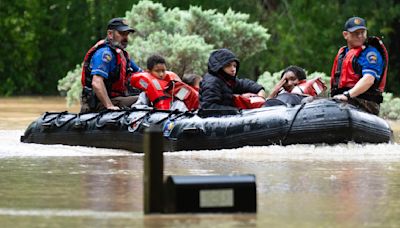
point(163, 89)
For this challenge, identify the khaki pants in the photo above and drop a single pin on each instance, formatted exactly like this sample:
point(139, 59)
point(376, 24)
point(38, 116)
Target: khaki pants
point(122, 102)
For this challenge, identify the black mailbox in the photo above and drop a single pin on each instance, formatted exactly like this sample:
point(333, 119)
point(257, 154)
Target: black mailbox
point(194, 194)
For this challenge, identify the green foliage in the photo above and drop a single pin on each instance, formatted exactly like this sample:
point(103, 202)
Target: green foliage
point(70, 86)
point(43, 39)
point(231, 30)
point(304, 38)
point(18, 43)
point(184, 37)
point(390, 108)
point(183, 53)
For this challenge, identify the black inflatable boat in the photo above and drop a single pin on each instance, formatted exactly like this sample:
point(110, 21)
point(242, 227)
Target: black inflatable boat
point(321, 121)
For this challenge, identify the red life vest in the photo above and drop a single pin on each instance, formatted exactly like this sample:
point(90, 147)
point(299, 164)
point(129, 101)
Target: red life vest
point(312, 87)
point(248, 101)
point(346, 71)
point(185, 93)
point(197, 88)
point(117, 82)
point(162, 92)
point(348, 76)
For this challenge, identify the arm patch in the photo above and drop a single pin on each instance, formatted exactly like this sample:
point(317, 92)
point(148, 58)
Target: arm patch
point(371, 57)
point(106, 57)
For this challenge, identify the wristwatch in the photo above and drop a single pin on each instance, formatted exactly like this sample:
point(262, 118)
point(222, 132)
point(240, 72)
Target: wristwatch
point(347, 94)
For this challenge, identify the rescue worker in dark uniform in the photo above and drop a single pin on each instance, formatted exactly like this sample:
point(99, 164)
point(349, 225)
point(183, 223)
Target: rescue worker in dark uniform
point(219, 85)
point(106, 71)
point(358, 74)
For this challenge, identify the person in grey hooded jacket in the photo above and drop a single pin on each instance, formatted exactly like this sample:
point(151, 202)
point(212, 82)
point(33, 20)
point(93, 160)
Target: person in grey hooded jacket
point(221, 82)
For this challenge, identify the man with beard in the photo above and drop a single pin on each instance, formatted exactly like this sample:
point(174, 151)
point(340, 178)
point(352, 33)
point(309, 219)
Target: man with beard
point(106, 71)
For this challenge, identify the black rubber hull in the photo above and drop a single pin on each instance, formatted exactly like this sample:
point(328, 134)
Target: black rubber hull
point(322, 121)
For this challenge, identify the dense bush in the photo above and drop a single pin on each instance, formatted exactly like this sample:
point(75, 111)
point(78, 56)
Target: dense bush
point(71, 86)
point(390, 108)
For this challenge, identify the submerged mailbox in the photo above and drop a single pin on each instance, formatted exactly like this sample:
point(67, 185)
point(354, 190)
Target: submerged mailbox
point(191, 194)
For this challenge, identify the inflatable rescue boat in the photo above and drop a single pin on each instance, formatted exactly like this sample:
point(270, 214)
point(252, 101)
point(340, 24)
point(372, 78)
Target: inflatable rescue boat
point(321, 121)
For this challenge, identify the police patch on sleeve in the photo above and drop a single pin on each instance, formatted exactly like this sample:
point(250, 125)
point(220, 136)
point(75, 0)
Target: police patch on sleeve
point(371, 57)
point(106, 57)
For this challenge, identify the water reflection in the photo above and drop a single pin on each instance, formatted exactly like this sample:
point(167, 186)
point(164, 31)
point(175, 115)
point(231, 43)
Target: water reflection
point(113, 184)
point(301, 193)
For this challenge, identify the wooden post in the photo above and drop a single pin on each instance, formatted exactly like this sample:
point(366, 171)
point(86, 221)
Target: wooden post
point(153, 171)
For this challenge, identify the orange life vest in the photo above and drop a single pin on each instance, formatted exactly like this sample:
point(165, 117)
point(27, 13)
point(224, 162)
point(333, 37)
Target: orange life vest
point(185, 93)
point(312, 87)
point(162, 92)
point(347, 75)
point(117, 83)
point(248, 101)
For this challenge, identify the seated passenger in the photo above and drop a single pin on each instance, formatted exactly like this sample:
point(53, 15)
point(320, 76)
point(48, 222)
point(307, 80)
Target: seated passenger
point(290, 77)
point(163, 89)
point(219, 85)
point(293, 87)
point(193, 80)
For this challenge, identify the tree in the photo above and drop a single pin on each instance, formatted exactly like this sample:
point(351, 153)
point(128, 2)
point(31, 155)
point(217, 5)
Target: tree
point(43, 39)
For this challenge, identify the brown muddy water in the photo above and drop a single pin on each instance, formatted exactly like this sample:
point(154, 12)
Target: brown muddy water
point(345, 185)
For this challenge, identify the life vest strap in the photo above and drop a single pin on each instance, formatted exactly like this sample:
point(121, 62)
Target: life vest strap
point(158, 99)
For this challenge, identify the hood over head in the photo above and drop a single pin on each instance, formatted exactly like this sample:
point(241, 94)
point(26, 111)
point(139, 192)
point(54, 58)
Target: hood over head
point(219, 58)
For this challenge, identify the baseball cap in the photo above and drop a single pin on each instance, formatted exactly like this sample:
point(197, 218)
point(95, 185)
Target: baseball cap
point(119, 24)
point(354, 23)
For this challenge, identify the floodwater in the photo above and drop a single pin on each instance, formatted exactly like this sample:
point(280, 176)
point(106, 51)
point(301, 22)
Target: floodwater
point(346, 185)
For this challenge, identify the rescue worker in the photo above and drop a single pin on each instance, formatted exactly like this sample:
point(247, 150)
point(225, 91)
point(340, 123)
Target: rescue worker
point(358, 74)
point(219, 85)
point(106, 71)
point(163, 89)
